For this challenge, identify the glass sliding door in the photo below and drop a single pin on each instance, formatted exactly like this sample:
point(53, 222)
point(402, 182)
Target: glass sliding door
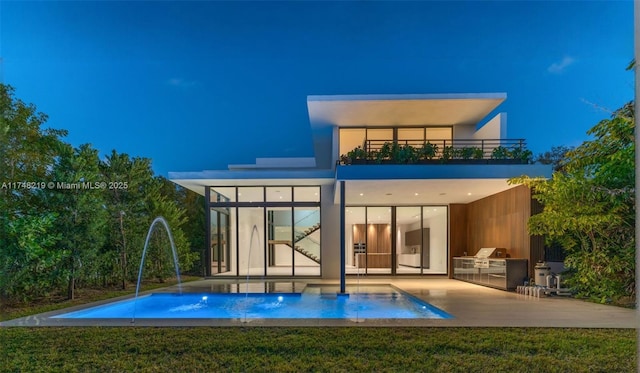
point(306, 238)
point(396, 240)
point(368, 238)
point(279, 241)
point(379, 251)
point(434, 220)
point(410, 246)
point(251, 241)
point(220, 240)
point(263, 231)
point(356, 240)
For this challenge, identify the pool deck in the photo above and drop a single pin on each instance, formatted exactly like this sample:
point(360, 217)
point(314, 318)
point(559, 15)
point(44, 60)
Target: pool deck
point(471, 306)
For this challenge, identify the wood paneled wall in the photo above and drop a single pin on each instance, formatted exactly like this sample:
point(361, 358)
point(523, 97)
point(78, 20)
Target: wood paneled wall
point(457, 232)
point(499, 220)
point(378, 237)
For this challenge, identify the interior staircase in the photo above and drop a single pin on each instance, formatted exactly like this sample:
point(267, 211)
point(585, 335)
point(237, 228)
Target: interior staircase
point(302, 235)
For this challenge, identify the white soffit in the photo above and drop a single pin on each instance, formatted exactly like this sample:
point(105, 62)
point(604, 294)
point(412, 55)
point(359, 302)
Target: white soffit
point(405, 110)
point(199, 185)
point(412, 192)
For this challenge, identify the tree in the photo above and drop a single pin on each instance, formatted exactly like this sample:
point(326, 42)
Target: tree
point(29, 265)
point(195, 228)
point(79, 202)
point(555, 156)
point(128, 211)
point(164, 201)
point(27, 152)
point(589, 208)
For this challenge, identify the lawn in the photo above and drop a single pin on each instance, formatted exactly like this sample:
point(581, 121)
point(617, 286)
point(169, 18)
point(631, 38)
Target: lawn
point(256, 349)
point(328, 349)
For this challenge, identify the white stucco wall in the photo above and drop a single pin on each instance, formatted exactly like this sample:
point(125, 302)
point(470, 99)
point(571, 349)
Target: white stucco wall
point(464, 131)
point(495, 128)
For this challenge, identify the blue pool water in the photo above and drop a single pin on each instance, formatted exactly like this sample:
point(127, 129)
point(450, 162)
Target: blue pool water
point(387, 305)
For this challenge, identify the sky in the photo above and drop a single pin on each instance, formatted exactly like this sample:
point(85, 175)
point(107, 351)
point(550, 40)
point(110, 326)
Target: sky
point(199, 85)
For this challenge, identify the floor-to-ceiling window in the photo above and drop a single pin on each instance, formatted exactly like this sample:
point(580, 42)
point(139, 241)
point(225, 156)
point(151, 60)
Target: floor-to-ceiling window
point(220, 236)
point(412, 241)
point(396, 240)
point(264, 231)
point(378, 231)
point(373, 138)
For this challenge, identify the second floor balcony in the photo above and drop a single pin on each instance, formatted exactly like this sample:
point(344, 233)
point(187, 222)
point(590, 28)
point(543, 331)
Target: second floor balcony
point(456, 151)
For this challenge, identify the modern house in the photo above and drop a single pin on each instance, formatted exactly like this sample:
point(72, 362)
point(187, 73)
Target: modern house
point(399, 185)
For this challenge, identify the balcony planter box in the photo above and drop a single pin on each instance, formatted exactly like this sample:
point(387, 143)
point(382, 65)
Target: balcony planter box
point(505, 161)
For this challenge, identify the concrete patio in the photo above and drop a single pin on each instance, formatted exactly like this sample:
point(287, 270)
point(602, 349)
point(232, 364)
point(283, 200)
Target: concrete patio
point(471, 306)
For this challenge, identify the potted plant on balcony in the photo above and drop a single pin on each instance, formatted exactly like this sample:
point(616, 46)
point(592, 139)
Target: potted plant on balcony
point(478, 153)
point(501, 154)
point(404, 154)
point(521, 155)
point(466, 153)
point(448, 153)
point(355, 156)
point(427, 152)
point(385, 153)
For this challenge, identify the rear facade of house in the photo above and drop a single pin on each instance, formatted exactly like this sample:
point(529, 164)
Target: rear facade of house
point(399, 185)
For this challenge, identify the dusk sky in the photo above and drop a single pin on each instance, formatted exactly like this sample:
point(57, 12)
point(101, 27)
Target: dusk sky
point(199, 85)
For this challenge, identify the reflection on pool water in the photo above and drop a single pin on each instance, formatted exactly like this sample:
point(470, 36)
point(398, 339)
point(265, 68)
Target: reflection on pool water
point(311, 304)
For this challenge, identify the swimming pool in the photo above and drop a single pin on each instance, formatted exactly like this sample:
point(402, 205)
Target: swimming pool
point(390, 304)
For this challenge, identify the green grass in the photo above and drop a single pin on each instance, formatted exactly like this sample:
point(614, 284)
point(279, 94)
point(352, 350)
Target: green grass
point(289, 349)
point(256, 349)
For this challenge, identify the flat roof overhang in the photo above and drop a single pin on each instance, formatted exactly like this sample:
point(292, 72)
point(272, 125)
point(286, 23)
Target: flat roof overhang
point(380, 184)
point(198, 181)
point(438, 185)
point(402, 110)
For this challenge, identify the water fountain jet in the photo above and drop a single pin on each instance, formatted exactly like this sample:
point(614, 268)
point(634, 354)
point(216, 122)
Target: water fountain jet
point(246, 295)
point(163, 221)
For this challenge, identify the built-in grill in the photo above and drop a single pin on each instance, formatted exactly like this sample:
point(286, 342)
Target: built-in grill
point(481, 259)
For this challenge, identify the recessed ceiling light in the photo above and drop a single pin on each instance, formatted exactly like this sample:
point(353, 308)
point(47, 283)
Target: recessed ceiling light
point(468, 194)
point(415, 194)
point(362, 194)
